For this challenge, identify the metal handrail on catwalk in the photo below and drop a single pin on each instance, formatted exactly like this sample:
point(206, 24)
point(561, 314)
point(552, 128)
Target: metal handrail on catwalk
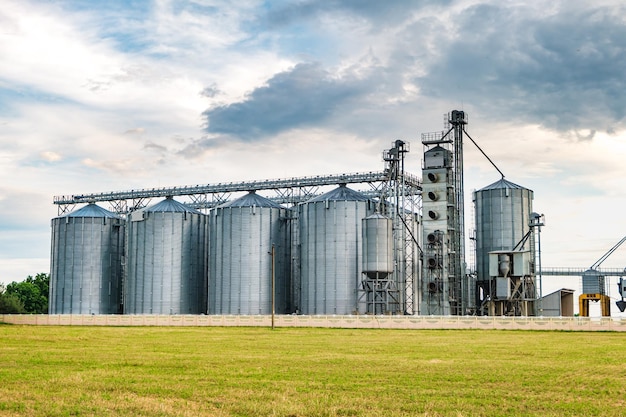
point(288, 190)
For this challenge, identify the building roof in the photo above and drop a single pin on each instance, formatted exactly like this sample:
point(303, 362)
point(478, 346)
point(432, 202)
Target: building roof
point(561, 291)
point(437, 148)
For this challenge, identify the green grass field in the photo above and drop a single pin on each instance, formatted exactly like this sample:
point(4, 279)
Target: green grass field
point(209, 371)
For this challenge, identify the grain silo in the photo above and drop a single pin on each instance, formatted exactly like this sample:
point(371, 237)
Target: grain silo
point(242, 234)
point(380, 290)
point(166, 260)
point(502, 219)
point(503, 211)
point(86, 262)
point(331, 252)
point(377, 246)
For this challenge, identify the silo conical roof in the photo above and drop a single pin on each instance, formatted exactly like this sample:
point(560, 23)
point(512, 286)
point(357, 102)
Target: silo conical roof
point(252, 199)
point(341, 193)
point(92, 210)
point(169, 205)
point(377, 216)
point(502, 183)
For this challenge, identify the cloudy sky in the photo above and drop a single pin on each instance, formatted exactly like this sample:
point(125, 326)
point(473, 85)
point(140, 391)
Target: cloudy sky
point(116, 95)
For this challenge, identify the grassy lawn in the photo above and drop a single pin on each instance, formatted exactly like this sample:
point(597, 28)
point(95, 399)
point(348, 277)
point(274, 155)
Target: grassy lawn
point(289, 372)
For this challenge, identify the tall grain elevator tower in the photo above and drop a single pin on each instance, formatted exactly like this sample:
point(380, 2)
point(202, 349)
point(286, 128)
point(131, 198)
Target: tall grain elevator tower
point(443, 275)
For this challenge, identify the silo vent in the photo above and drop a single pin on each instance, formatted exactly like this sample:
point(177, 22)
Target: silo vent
point(434, 237)
point(433, 262)
point(434, 287)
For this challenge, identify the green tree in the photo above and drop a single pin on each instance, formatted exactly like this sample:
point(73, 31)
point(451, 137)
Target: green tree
point(10, 303)
point(32, 293)
point(42, 281)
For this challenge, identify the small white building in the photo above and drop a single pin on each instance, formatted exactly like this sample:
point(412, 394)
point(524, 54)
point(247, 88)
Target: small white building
point(558, 304)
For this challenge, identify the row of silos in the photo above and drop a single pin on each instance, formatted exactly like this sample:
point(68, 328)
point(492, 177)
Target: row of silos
point(177, 260)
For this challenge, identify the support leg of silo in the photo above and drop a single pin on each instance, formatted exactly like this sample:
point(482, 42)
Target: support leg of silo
point(605, 303)
point(583, 306)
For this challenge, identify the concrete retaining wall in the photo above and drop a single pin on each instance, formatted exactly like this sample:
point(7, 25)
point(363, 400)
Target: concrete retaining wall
point(346, 322)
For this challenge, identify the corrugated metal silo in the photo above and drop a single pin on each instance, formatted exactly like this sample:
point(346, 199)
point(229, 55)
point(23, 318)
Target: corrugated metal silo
point(377, 246)
point(331, 252)
point(166, 260)
point(86, 262)
point(379, 289)
point(242, 233)
point(502, 219)
point(593, 282)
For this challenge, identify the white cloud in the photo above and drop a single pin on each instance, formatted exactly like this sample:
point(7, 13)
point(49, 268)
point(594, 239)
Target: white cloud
point(17, 269)
point(135, 131)
point(50, 156)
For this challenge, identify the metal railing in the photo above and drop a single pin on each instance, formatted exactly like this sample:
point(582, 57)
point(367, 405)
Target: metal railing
point(285, 188)
point(576, 272)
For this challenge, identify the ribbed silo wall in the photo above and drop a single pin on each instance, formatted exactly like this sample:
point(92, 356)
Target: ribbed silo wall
point(377, 246)
point(240, 260)
point(331, 255)
point(166, 263)
point(86, 265)
point(502, 219)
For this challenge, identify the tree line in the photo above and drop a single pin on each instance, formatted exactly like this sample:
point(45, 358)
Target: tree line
point(27, 297)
